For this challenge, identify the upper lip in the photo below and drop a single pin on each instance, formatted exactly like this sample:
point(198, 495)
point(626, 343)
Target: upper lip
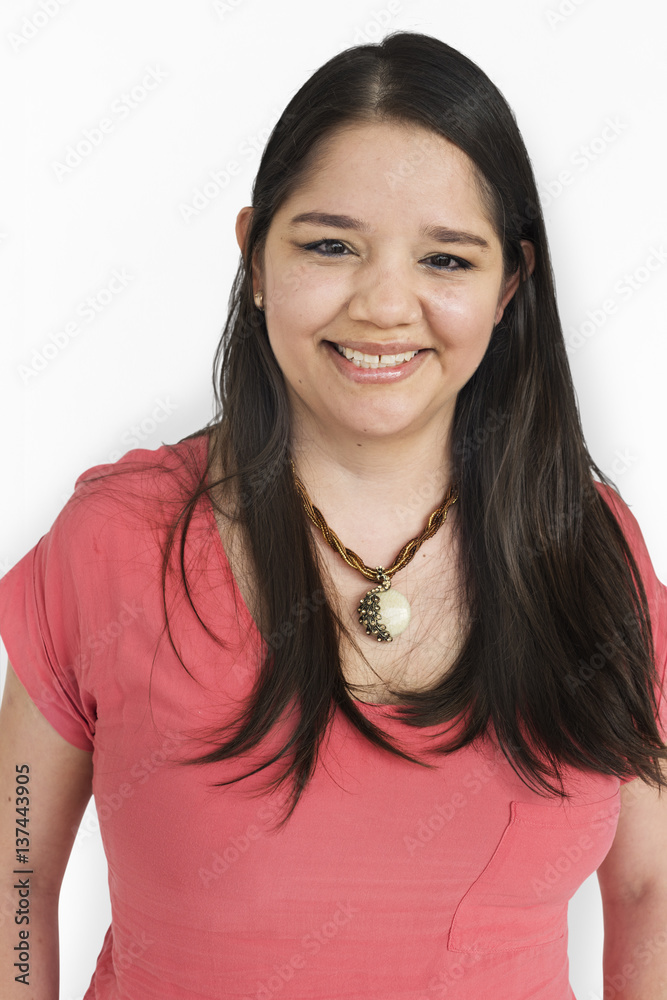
point(393, 347)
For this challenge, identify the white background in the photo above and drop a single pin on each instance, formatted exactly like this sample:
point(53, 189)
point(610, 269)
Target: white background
point(138, 374)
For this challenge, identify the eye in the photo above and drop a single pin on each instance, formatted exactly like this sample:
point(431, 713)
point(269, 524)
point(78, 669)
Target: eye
point(325, 245)
point(458, 262)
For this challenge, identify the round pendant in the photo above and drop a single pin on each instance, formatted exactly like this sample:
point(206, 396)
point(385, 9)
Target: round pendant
point(394, 612)
point(384, 612)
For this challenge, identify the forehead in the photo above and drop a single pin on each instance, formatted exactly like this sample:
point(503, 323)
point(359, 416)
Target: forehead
point(391, 171)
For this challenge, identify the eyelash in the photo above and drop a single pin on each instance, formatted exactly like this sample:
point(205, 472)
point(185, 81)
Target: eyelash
point(462, 265)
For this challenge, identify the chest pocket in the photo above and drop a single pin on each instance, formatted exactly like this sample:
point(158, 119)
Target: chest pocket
point(520, 898)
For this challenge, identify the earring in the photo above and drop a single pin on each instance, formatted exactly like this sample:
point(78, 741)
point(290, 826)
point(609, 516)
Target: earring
point(259, 300)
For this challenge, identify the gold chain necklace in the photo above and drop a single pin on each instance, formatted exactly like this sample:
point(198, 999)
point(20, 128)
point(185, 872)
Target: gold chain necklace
point(382, 613)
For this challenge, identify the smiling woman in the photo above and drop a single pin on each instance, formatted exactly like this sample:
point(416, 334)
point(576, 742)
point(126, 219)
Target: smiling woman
point(375, 281)
point(439, 769)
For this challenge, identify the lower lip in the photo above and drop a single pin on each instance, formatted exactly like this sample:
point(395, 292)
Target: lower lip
point(393, 374)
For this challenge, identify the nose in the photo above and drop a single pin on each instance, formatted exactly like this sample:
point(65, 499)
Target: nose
point(385, 297)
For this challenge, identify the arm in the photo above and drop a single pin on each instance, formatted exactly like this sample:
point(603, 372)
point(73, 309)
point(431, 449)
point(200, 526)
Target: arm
point(60, 785)
point(633, 884)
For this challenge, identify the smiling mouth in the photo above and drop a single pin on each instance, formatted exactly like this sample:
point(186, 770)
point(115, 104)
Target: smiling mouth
point(375, 360)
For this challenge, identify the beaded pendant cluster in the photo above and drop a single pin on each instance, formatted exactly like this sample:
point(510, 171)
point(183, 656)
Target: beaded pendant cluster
point(384, 612)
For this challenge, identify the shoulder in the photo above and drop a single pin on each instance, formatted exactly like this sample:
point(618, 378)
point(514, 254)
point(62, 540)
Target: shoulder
point(151, 476)
point(656, 591)
point(142, 491)
point(628, 524)
point(145, 468)
point(619, 507)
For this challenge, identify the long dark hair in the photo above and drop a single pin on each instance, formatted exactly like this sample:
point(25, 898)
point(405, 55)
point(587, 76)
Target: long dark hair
point(548, 577)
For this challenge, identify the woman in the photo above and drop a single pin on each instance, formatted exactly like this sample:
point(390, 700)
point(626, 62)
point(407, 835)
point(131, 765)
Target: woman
point(366, 675)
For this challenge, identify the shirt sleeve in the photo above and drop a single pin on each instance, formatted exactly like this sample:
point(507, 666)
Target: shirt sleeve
point(42, 615)
point(656, 596)
point(59, 603)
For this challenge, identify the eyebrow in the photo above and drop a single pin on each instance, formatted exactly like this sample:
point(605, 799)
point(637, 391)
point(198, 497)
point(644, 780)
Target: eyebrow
point(441, 234)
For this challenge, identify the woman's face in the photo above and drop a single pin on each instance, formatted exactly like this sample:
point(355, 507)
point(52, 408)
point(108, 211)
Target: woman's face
point(384, 250)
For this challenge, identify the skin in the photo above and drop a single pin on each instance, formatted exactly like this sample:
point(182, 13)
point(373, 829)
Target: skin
point(383, 286)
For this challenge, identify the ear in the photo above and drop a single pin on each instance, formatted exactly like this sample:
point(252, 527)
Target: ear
point(243, 220)
point(512, 282)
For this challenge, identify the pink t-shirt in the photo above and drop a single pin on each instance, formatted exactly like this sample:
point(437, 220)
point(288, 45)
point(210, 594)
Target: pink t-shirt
point(390, 881)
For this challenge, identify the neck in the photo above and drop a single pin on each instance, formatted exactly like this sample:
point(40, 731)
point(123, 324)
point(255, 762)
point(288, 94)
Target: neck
point(398, 481)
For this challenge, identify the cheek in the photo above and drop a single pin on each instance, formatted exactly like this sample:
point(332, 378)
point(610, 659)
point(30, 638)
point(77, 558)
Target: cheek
point(294, 316)
point(290, 325)
point(464, 322)
point(296, 288)
point(284, 279)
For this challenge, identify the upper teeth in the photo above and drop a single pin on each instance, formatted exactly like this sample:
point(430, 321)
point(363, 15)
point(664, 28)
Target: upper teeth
point(374, 360)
